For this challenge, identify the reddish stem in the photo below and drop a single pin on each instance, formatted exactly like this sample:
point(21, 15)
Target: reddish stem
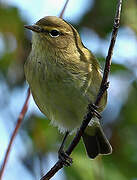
point(63, 10)
point(19, 121)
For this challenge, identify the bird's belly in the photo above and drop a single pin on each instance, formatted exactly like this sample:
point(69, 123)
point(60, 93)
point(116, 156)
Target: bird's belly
point(60, 101)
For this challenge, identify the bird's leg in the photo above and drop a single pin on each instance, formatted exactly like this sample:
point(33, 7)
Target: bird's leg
point(93, 108)
point(64, 157)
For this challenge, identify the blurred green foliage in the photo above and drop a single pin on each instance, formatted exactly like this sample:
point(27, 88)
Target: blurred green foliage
point(122, 164)
point(15, 44)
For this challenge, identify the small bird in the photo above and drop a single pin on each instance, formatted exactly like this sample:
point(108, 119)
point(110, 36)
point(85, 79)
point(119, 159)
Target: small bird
point(64, 77)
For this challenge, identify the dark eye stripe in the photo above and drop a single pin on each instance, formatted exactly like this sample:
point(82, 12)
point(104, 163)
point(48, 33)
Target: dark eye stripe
point(52, 33)
point(44, 31)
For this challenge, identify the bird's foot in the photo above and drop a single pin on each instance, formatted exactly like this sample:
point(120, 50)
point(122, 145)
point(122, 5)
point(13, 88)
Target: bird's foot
point(93, 108)
point(64, 158)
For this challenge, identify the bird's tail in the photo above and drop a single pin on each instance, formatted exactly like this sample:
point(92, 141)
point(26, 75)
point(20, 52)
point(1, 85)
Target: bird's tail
point(96, 142)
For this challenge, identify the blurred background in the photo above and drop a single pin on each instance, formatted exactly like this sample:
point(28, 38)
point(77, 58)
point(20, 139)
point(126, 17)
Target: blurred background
point(36, 145)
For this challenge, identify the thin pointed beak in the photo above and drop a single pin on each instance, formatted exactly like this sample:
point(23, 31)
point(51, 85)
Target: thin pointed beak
point(34, 28)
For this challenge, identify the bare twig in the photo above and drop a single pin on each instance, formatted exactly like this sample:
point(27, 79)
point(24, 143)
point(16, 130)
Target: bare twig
point(103, 87)
point(63, 10)
point(20, 118)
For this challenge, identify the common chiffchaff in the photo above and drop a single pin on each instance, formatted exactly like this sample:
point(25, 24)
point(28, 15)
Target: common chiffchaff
point(64, 77)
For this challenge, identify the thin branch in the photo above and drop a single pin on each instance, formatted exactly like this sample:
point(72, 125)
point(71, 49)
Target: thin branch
point(103, 87)
point(116, 25)
point(63, 10)
point(19, 121)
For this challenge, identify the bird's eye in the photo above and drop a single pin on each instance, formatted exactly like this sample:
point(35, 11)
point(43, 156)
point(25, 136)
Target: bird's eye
point(54, 33)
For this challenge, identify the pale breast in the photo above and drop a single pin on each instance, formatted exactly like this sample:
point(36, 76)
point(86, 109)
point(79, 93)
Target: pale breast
point(57, 95)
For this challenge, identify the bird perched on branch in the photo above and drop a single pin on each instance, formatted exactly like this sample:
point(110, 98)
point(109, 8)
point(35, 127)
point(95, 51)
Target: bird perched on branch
point(64, 77)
